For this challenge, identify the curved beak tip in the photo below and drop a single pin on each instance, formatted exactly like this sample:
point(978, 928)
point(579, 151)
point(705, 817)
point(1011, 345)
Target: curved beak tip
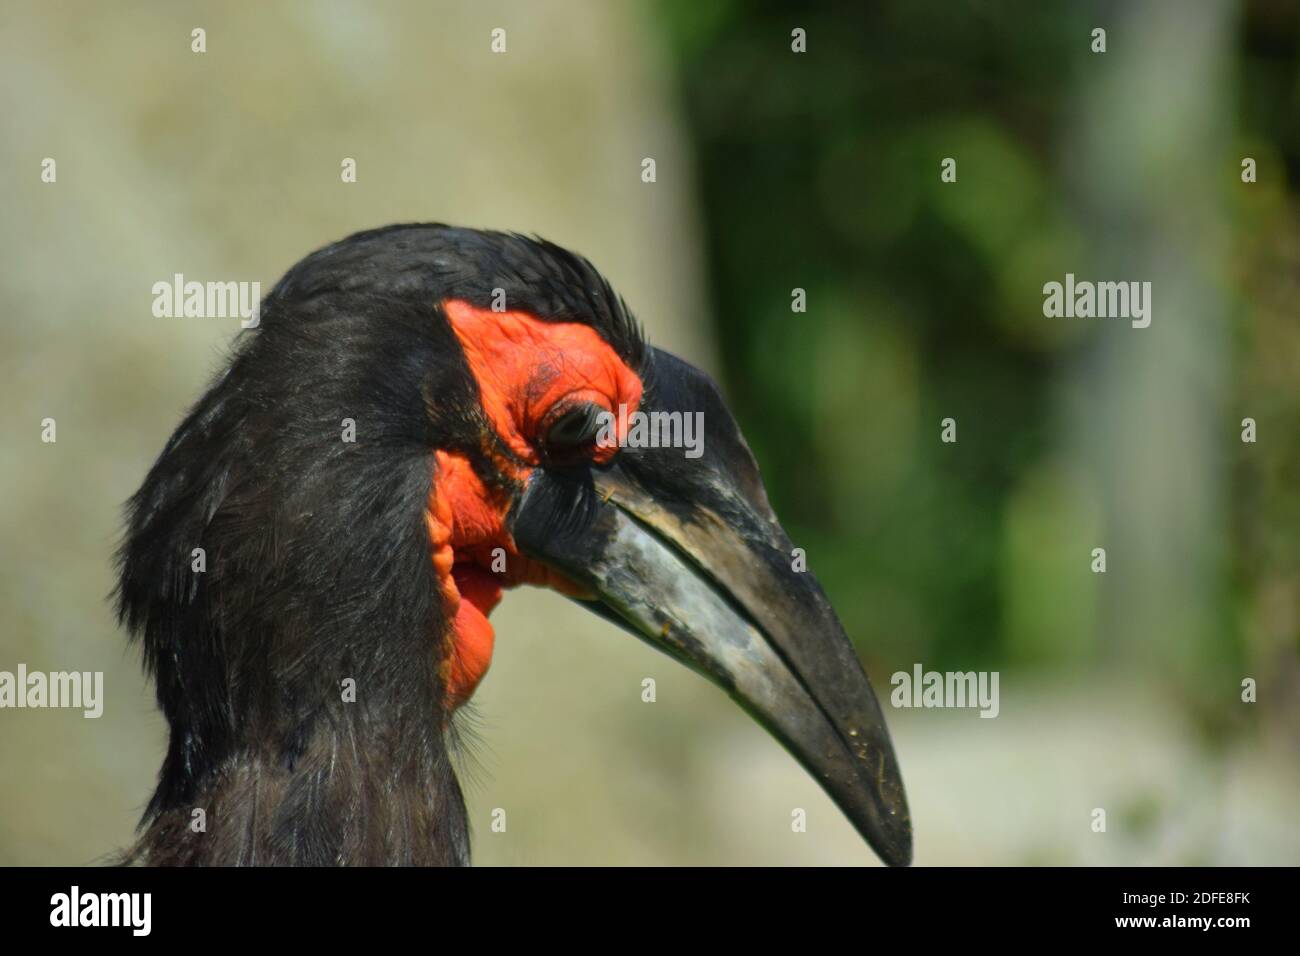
point(689, 557)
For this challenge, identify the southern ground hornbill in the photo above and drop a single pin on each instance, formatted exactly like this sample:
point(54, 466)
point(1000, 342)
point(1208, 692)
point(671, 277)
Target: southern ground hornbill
point(311, 664)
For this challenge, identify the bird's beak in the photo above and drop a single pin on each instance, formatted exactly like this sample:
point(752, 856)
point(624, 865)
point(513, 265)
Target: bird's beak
point(686, 553)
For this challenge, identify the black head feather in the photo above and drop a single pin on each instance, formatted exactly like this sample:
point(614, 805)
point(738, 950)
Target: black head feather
point(318, 563)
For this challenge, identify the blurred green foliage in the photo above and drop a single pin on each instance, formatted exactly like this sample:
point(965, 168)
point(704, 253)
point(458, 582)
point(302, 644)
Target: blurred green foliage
point(821, 171)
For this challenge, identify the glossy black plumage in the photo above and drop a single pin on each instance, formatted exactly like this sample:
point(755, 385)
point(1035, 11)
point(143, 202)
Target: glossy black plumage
point(317, 555)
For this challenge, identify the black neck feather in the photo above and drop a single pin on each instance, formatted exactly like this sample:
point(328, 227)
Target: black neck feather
point(298, 669)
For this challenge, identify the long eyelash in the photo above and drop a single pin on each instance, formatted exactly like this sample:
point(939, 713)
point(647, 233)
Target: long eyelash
point(571, 504)
point(589, 414)
point(597, 417)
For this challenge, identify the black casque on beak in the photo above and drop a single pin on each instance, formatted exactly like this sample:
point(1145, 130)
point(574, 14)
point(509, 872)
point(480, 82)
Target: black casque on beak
point(687, 554)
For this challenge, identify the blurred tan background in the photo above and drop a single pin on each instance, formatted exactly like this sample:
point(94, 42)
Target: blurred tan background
point(226, 165)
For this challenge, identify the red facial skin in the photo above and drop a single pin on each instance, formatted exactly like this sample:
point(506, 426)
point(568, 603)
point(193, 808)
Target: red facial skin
point(529, 372)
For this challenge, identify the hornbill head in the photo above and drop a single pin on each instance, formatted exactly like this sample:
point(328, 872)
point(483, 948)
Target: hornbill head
point(508, 425)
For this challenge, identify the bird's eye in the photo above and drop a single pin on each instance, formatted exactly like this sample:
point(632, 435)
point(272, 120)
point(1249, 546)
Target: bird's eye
point(574, 430)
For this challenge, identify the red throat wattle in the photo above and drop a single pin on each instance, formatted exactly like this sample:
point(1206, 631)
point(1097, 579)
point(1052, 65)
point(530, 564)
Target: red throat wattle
point(525, 367)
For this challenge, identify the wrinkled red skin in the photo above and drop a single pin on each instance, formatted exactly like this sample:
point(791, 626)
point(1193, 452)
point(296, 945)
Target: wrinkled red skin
point(529, 372)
